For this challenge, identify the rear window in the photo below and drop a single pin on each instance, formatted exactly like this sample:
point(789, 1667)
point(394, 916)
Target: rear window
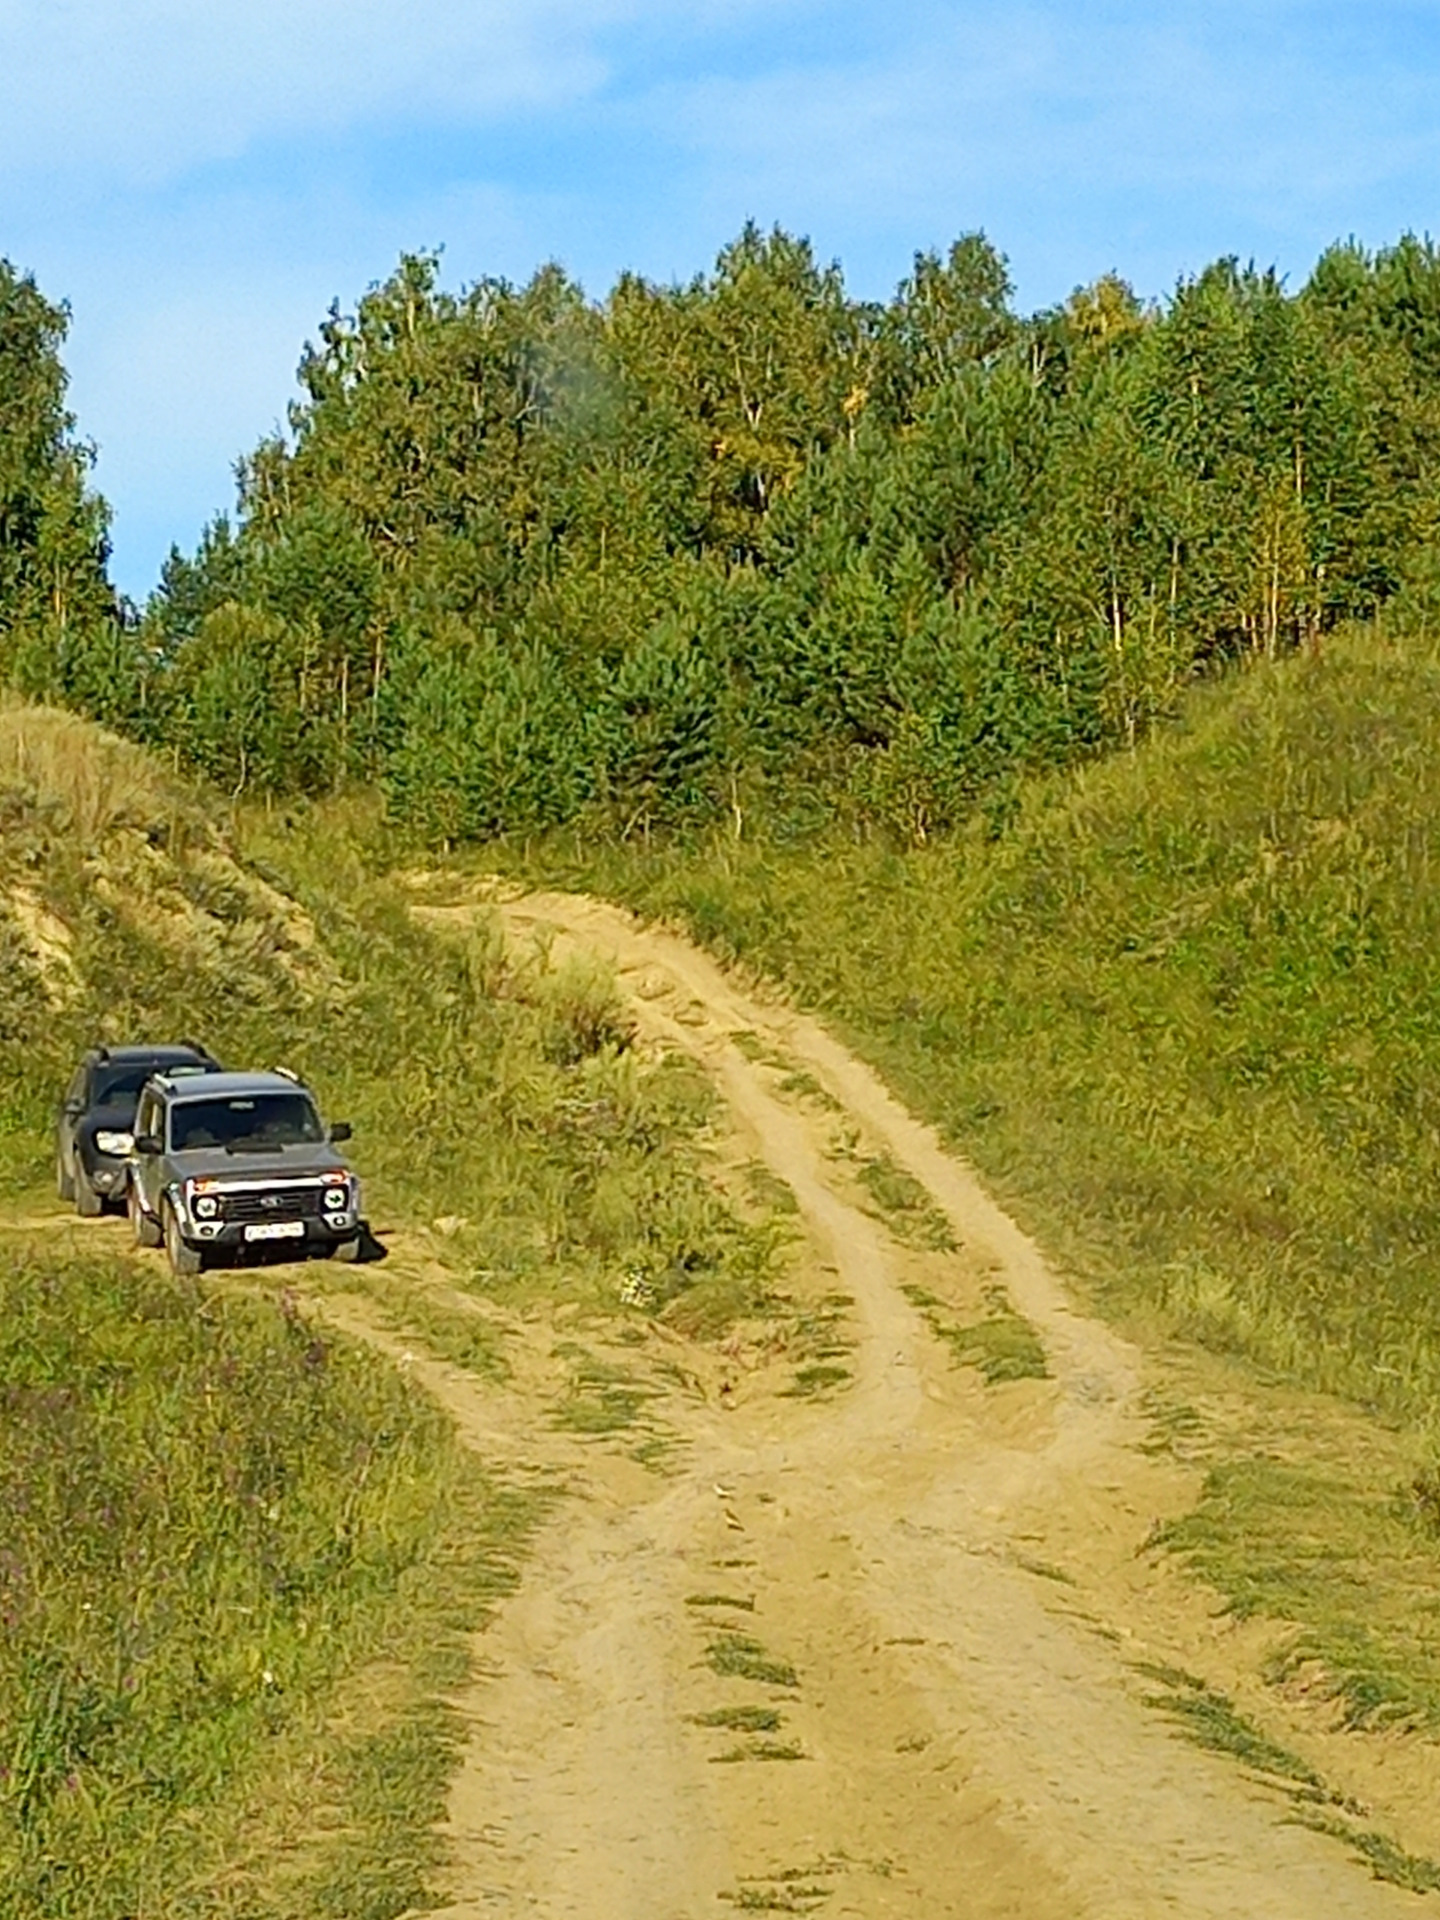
point(120, 1085)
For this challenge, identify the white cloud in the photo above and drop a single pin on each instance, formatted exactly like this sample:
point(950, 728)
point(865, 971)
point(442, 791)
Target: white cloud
point(1224, 116)
point(153, 87)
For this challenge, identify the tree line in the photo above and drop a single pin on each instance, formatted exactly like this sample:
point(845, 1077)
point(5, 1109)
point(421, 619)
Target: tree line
point(525, 558)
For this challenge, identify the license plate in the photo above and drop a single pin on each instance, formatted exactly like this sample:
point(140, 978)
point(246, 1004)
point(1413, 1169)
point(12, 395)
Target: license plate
point(276, 1230)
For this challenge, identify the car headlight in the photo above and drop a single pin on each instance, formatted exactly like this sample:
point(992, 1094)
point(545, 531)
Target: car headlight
point(117, 1145)
point(337, 1199)
point(206, 1206)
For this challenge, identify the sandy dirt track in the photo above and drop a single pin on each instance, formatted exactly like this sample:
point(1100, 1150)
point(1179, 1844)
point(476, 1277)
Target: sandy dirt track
point(945, 1568)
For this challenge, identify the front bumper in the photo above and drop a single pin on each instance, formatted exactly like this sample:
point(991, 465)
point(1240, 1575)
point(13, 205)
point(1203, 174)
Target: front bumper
point(109, 1178)
point(241, 1215)
point(231, 1235)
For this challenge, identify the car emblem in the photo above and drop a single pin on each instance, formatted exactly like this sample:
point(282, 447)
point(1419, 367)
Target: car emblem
point(270, 1200)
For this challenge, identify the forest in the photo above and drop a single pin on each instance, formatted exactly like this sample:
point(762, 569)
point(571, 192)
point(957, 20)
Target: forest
point(747, 548)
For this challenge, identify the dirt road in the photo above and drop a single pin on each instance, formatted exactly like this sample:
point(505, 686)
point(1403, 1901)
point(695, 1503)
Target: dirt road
point(872, 1651)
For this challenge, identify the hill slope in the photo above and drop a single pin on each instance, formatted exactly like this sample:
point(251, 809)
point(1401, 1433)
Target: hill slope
point(1185, 1011)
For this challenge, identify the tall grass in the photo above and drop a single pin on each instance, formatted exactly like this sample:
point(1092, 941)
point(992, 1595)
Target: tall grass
point(209, 1511)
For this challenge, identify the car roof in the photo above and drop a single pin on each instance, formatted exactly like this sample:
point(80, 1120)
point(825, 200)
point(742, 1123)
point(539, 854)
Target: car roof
point(180, 1050)
point(221, 1086)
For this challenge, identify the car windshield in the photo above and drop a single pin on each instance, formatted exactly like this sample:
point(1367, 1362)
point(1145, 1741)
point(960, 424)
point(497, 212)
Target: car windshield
point(255, 1120)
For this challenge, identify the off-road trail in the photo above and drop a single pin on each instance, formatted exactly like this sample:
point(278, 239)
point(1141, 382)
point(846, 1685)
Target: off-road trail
point(867, 1637)
point(875, 1650)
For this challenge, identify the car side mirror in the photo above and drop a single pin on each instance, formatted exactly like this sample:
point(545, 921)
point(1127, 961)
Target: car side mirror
point(149, 1143)
point(342, 1130)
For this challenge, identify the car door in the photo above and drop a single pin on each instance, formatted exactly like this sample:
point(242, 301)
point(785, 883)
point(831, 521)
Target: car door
point(71, 1108)
point(144, 1167)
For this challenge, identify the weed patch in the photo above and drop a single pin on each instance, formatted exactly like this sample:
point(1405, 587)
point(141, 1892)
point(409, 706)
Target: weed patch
point(741, 1719)
point(1351, 1569)
point(818, 1378)
point(738, 1656)
point(1002, 1347)
point(1212, 1721)
point(759, 1750)
point(905, 1205)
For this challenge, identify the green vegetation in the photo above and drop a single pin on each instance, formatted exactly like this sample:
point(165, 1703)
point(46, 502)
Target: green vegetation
point(213, 1518)
point(907, 1208)
point(1348, 1564)
point(61, 631)
point(749, 546)
point(1002, 1346)
point(740, 1656)
point(742, 1719)
point(1182, 1014)
point(1212, 1721)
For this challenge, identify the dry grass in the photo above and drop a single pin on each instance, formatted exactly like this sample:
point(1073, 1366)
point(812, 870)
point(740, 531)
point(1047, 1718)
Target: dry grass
point(90, 780)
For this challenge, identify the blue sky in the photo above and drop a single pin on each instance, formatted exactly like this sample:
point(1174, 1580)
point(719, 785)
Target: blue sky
point(200, 181)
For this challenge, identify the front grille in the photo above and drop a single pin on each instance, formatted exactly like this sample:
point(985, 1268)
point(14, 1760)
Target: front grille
point(276, 1203)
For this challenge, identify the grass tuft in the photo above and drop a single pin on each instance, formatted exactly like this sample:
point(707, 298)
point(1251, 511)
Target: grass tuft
point(738, 1656)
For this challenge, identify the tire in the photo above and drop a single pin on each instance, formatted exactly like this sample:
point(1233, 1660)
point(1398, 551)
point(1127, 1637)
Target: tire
point(88, 1203)
point(143, 1230)
point(64, 1181)
point(184, 1259)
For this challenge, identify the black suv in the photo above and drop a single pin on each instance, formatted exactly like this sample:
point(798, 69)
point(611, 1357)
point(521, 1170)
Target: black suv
point(94, 1130)
point(238, 1163)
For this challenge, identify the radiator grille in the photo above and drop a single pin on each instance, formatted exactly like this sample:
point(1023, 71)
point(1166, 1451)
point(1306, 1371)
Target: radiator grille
point(277, 1203)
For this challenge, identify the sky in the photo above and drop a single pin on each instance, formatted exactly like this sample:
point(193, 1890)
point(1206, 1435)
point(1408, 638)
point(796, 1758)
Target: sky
point(199, 180)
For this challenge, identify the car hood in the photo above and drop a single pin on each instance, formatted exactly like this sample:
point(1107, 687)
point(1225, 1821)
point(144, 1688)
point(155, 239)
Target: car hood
point(294, 1163)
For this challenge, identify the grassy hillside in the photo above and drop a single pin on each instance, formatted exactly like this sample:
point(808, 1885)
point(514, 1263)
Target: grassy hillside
point(1184, 1012)
point(240, 1559)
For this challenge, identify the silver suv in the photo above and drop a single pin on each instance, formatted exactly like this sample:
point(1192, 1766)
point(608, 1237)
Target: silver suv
point(229, 1162)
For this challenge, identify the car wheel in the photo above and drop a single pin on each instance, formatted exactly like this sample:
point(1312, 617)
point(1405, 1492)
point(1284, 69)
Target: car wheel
point(184, 1259)
point(64, 1183)
point(144, 1231)
point(88, 1203)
